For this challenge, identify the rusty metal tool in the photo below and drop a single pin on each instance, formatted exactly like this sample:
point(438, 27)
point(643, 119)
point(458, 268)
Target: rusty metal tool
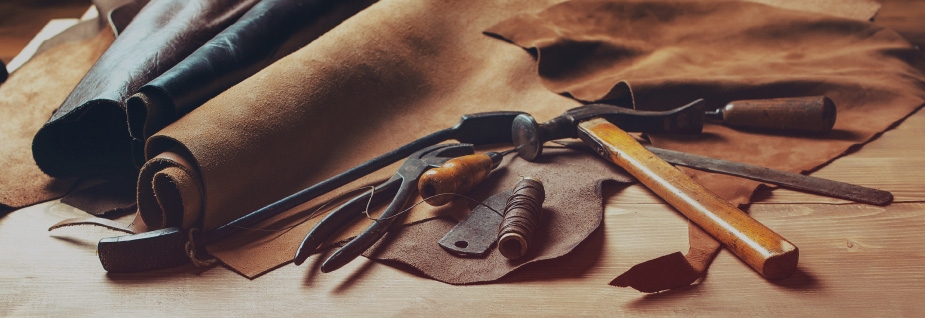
point(764, 250)
point(167, 247)
point(400, 186)
point(809, 115)
point(475, 234)
point(478, 231)
point(784, 179)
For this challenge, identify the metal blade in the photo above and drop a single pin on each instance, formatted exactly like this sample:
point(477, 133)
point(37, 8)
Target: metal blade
point(477, 233)
point(784, 179)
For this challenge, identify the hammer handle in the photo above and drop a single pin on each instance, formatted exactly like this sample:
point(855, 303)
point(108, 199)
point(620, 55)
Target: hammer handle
point(760, 247)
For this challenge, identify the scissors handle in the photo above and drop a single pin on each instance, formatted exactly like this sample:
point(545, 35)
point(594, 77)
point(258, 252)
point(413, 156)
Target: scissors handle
point(371, 235)
point(340, 217)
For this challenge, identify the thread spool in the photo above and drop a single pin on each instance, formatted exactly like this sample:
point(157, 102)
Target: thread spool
point(522, 216)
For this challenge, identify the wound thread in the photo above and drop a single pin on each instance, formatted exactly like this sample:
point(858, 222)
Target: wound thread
point(522, 216)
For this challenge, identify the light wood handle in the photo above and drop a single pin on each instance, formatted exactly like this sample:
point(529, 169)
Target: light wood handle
point(760, 247)
point(458, 175)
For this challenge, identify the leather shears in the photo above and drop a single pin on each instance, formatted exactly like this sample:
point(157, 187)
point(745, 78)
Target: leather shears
point(400, 187)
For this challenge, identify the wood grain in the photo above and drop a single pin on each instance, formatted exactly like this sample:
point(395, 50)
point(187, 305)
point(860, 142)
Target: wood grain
point(857, 260)
point(756, 244)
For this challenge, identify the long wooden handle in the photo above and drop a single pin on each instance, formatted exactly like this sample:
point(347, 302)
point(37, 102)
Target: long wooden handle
point(760, 247)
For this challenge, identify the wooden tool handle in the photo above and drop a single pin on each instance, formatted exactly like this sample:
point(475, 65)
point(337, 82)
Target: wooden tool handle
point(814, 114)
point(761, 248)
point(458, 175)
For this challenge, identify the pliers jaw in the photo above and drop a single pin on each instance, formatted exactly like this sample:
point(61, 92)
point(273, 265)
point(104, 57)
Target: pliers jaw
point(400, 187)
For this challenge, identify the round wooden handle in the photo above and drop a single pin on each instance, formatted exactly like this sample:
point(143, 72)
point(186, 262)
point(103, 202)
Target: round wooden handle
point(458, 175)
point(760, 247)
point(815, 114)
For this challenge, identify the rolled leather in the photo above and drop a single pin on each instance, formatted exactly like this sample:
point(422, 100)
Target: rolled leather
point(393, 73)
point(88, 133)
point(267, 32)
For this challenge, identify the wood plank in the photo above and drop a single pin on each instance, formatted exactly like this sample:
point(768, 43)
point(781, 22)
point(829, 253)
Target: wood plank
point(857, 260)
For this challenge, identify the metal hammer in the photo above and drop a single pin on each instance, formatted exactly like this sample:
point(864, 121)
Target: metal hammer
point(760, 247)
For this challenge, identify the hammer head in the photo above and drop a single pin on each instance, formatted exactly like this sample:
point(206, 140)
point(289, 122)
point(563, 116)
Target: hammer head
point(529, 136)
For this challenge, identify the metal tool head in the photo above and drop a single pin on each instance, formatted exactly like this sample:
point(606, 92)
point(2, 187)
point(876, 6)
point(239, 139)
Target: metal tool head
point(432, 157)
point(485, 128)
point(528, 136)
point(476, 234)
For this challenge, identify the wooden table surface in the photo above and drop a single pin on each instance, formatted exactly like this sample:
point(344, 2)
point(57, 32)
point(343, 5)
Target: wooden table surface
point(856, 260)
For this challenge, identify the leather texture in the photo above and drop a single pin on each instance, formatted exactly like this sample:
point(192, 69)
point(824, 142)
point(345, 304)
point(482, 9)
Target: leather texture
point(26, 100)
point(394, 72)
point(723, 51)
point(267, 32)
point(88, 134)
point(3, 73)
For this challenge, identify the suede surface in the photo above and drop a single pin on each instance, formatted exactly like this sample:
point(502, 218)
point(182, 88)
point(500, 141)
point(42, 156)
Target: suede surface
point(26, 100)
point(389, 75)
point(656, 55)
point(573, 210)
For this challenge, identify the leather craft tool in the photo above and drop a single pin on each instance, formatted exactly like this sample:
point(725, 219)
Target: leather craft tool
point(785, 179)
point(474, 235)
point(167, 247)
point(483, 226)
point(478, 231)
point(763, 249)
point(812, 115)
point(401, 186)
point(458, 175)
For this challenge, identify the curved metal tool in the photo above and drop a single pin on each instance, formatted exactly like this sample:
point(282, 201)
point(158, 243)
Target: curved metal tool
point(478, 129)
point(529, 136)
point(405, 180)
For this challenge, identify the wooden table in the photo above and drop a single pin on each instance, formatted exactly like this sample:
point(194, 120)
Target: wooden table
point(856, 260)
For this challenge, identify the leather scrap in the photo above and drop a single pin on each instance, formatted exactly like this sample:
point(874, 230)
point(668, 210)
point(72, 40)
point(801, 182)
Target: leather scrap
point(88, 134)
point(724, 51)
point(109, 198)
point(26, 100)
point(574, 208)
point(89, 28)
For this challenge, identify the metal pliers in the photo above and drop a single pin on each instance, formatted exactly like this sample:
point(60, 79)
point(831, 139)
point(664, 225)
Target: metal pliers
point(399, 187)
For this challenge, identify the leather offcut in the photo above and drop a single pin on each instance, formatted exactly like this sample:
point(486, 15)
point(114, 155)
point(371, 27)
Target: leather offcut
point(26, 100)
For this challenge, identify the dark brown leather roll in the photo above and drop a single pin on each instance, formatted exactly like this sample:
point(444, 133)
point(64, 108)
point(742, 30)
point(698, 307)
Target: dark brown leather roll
point(270, 30)
point(88, 134)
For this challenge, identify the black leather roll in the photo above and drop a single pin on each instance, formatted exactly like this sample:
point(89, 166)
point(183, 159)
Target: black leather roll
point(269, 31)
point(88, 134)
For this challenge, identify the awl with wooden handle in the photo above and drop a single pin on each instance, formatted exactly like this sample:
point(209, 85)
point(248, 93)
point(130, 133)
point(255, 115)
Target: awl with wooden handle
point(458, 175)
point(812, 115)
